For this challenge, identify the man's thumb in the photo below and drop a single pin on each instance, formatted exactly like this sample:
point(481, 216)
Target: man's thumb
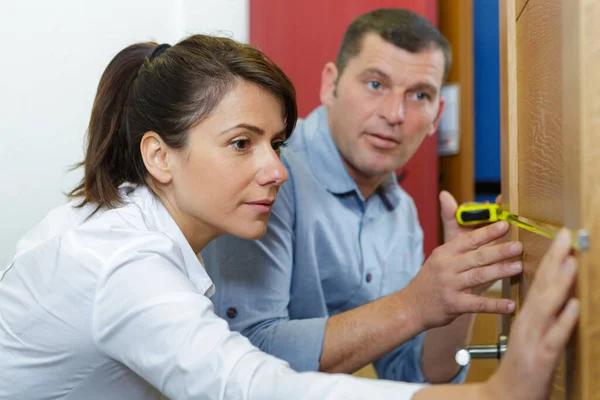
point(448, 206)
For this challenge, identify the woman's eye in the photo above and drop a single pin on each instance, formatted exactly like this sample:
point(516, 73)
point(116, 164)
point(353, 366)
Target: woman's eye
point(278, 145)
point(374, 85)
point(241, 144)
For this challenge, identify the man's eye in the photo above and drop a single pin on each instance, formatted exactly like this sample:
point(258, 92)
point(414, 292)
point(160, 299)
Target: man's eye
point(422, 96)
point(278, 145)
point(374, 85)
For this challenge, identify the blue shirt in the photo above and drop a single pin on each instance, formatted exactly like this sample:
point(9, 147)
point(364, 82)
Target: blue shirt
point(327, 250)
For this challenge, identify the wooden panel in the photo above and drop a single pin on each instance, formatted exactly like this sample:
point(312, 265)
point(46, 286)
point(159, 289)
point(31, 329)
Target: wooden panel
point(367, 372)
point(581, 63)
point(539, 108)
point(456, 24)
point(508, 132)
point(520, 5)
point(540, 140)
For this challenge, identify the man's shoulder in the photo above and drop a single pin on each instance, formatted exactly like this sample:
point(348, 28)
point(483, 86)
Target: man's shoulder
point(405, 197)
point(306, 129)
point(295, 155)
point(407, 210)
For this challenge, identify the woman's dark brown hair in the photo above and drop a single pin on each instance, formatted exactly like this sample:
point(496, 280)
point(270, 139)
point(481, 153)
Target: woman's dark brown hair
point(167, 92)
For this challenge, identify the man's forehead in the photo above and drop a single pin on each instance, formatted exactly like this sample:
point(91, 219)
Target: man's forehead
point(377, 53)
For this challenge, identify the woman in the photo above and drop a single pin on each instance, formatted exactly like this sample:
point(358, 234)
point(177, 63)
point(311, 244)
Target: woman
point(106, 297)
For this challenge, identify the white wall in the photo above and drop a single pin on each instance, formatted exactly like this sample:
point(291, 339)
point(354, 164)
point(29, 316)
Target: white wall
point(51, 58)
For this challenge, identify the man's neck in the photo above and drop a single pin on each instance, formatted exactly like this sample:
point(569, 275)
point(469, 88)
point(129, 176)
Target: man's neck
point(367, 184)
point(368, 188)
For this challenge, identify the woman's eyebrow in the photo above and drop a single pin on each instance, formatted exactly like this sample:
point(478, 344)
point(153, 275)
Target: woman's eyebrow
point(251, 128)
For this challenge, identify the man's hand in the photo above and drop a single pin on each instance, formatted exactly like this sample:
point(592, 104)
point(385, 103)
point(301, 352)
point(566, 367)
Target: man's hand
point(452, 228)
point(449, 282)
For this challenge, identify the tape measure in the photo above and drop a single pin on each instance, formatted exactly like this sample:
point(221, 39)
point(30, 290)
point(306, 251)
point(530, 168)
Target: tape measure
point(469, 214)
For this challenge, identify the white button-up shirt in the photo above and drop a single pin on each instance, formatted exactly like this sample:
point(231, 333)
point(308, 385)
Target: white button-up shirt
point(115, 306)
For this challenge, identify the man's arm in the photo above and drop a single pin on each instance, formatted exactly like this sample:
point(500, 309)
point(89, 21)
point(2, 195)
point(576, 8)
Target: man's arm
point(360, 336)
point(253, 280)
point(439, 348)
point(440, 344)
point(435, 297)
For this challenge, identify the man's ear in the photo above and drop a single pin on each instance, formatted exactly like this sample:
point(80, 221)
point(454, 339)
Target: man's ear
point(329, 77)
point(436, 121)
point(156, 158)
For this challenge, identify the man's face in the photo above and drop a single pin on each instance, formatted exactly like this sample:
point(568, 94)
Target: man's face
point(386, 101)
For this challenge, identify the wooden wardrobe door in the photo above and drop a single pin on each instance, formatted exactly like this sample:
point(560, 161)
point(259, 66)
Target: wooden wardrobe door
point(550, 85)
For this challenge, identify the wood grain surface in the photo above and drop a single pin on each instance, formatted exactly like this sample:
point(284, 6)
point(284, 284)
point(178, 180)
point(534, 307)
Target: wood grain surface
point(540, 156)
point(550, 83)
point(519, 7)
point(581, 107)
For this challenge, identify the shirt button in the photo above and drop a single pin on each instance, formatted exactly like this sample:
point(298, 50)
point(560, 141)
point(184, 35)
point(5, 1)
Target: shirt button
point(231, 312)
point(369, 277)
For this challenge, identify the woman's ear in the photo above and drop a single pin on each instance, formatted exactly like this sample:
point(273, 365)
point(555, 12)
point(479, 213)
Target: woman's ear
point(156, 157)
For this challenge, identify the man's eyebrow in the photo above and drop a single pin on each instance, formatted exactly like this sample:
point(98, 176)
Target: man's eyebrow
point(375, 71)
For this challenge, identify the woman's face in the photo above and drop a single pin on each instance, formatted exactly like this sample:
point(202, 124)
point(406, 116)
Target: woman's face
point(224, 181)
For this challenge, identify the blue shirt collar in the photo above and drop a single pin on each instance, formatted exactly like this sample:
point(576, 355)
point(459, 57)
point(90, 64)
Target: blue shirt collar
point(327, 164)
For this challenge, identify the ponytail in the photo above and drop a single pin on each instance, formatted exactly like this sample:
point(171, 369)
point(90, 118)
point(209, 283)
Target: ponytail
point(106, 163)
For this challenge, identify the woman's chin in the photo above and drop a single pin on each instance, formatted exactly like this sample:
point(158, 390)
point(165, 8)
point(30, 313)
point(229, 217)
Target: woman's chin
point(251, 231)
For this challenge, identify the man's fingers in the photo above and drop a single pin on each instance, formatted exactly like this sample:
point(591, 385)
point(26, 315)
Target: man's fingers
point(489, 255)
point(488, 274)
point(479, 304)
point(478, 237)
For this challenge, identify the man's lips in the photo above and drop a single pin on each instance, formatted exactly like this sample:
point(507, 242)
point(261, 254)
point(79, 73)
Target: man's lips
point(383, 141)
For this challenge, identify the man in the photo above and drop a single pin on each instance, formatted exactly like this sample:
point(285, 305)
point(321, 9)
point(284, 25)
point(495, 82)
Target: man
point(338, 281)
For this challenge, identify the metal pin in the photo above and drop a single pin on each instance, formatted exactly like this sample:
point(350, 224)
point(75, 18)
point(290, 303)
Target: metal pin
point(583, 240)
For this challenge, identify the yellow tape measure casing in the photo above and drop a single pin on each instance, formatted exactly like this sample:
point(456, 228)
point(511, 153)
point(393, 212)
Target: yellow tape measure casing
point(478, 213)
point(486, 213)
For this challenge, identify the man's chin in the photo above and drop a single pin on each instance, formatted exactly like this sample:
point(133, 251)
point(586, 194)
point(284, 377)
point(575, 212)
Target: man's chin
point(377, 169)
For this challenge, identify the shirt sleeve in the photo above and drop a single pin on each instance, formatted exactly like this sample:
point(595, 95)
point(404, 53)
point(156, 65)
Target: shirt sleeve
point(150, 317)
point(253, 280)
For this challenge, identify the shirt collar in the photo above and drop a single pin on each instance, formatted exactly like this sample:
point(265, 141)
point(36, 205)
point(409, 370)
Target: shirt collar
point(327, 164)
point(158, 218)
point(390, 191)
